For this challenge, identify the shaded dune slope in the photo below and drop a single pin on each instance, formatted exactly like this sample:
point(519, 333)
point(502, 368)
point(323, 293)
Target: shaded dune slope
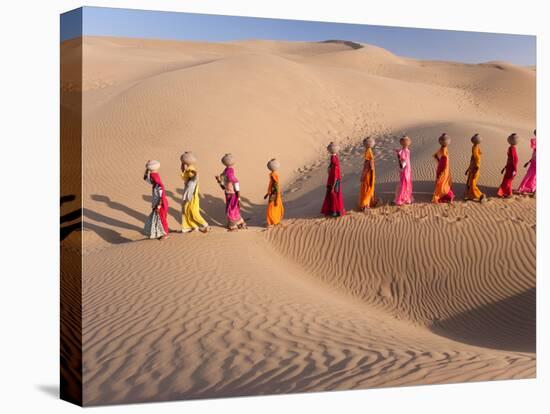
point(249, 321)
point(439, 266)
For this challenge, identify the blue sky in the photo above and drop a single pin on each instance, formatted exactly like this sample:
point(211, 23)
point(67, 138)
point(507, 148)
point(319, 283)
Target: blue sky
point(469, 47)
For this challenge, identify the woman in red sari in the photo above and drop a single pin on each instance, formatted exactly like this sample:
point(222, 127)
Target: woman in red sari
point(333, 206)
point(510, 169)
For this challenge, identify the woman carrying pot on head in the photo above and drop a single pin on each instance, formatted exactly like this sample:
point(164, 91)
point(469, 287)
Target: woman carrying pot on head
point(191, 218)
point(156, 225)
point(275, 208)
point(333, 205)
point(231, 187)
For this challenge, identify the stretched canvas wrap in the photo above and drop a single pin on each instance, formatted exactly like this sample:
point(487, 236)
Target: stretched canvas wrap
point(256, 206)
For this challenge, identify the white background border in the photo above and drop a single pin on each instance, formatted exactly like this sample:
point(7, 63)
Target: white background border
point(29, 208)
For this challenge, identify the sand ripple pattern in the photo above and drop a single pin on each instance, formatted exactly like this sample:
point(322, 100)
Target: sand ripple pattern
point(467, 270)
point(203, 322)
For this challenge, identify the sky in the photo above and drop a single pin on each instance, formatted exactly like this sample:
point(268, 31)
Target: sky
point(468, 47)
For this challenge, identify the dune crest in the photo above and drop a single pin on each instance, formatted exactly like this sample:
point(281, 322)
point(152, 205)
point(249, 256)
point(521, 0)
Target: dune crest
point(419, 295)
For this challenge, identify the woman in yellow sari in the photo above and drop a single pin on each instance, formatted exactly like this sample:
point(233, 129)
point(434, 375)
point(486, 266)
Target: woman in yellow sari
point(472, 191)
point(443, 192)
point(275, 208)
point(191, 218)
point(366, 193)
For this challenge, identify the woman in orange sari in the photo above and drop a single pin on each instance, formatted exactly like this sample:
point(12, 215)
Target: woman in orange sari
point(443, 192)
point(275, 208)
point(366, 193)
point(472, 191)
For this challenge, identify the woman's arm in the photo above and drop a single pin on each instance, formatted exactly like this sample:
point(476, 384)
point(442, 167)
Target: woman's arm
point(220, 183)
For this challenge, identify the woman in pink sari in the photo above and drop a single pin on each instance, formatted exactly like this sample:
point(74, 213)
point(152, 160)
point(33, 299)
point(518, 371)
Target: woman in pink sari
point(230, 185)
point(333, 206)
point(529, 183)
point(510, 170)
point(156, 225)
point(403, 194)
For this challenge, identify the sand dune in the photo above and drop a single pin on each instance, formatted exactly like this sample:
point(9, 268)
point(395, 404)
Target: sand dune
point(422, 294)
point(241, 319)
point(430, 264)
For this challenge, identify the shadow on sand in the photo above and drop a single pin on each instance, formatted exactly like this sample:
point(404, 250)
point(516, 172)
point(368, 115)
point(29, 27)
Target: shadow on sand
point(508, 325)
point(212, 209)
point(307, 205)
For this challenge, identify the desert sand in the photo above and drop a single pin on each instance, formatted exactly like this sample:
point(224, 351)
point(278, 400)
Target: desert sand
point(422, 294)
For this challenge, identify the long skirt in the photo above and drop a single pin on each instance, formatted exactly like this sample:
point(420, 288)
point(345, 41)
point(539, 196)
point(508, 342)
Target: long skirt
point(505, 189)
point(232, 210)
point(275, 213)
point(366, 193)
point(191, 217)
point(155, 225)
point(333, 205)
point(472, 191)
point(403, 193)
point(443, 192)
point(529, 182)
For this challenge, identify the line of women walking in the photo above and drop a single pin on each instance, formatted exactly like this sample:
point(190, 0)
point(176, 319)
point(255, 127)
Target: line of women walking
point(156, 226)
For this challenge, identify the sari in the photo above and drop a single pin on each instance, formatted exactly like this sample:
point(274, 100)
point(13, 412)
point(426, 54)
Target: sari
point(191, 218)
point(505, 189)
point(472, 191)
point(232, 205)
point(366, 192)
point(529, 182)
point(156, 225)
point(333, 205)
point(275, 208)
point(443, 192)
point(403, 193)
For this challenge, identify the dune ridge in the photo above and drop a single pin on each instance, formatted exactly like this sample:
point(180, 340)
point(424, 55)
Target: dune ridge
point(429, 264)
point(419, 295)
